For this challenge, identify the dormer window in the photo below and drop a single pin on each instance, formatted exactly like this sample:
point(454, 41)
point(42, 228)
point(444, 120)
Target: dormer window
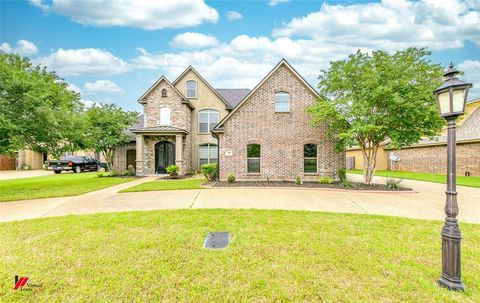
point(165, 116)
point(164, 93)
point(282, 102)
point(191, 89)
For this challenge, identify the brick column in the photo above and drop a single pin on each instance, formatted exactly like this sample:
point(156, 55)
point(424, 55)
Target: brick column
point(140, 159)
point(179, 153)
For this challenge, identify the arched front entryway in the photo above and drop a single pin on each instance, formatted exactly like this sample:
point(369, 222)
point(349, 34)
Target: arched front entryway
point(164, 156)
point(131, 158)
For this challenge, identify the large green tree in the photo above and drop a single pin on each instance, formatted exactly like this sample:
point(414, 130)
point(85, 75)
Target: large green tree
point(37, 111)
point(105, 128)
point(371, 97)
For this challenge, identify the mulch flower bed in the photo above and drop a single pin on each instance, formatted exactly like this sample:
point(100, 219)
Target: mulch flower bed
point(335, 185)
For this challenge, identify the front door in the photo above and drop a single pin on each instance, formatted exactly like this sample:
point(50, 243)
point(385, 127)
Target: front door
point(164, 156)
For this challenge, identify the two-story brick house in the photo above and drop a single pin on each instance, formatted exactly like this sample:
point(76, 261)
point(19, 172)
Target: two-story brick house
point(265, 132)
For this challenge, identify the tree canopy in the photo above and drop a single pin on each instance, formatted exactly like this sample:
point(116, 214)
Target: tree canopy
point(371, 97)
point(105, 128)
point(37, 111)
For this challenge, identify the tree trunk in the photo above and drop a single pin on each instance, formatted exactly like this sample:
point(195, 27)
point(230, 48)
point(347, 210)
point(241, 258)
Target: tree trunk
point(108, 154)
point(369, 153)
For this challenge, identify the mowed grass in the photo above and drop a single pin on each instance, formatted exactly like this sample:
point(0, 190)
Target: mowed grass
point(472, 181)
point(65, 184)
point(167, 185)
point(274, 256)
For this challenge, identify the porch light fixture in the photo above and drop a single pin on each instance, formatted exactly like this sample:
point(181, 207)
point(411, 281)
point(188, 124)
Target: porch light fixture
point(451, 98)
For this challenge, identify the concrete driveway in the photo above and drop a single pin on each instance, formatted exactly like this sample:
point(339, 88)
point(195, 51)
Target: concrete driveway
point(16, 174)
point(427, 203)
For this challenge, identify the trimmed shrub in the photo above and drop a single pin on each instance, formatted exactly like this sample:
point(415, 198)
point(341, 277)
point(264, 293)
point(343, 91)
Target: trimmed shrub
point(173, 170)
point(298, 180)
point(393, 184)
point(131, 170)
point(114, 173)
point(209, 171)
point(342, 174)
point(231, 178)
point(325, 180)
point(348, 183)
point(100, 175)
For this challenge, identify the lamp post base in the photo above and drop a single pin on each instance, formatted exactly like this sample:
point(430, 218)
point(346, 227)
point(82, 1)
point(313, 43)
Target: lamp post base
point(451, 285)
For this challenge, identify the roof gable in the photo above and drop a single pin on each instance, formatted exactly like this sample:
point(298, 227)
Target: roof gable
point(190, 68)
point(282, 62)
point(143, 100)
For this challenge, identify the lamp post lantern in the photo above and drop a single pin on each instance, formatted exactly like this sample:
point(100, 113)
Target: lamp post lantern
point(451, 98)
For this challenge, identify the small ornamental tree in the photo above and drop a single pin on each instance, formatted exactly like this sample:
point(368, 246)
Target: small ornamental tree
point(105, 129)
point(369, 98)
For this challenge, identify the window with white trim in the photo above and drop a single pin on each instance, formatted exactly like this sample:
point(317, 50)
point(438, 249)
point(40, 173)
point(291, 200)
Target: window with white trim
point(165, 116)
point(207, 120)
point(191, 89)
point(282, 102)
point(207, 153)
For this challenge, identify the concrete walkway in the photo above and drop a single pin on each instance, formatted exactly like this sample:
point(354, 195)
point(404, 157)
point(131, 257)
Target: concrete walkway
point(427, 203)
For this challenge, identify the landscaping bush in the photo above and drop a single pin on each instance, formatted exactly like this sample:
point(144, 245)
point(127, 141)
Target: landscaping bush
point(114, 173)
point(100, 174)
point(342, 174)
point(325, 180)
point(348, 183)
point(393, 184)
point(298, 180)
point(25, 167)
point(209, 171)
point(173, 170)
point(231, 178)
point(131, 170)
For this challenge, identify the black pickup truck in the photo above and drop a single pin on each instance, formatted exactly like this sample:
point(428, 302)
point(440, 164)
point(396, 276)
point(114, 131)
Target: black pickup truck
point(76, 164)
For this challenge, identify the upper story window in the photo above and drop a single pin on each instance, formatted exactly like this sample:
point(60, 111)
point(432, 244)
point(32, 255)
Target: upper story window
point(164, 93)
point(310, 158)
point(165, 116)
point(253, 158)
point(282, 102)
point(207, 119)
point(191, 89)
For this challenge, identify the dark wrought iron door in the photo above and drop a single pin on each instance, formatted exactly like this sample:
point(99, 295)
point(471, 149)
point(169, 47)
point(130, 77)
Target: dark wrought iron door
point(164, 156)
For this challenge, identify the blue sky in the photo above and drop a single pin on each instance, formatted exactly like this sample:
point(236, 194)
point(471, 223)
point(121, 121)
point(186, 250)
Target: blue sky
point(113, 51)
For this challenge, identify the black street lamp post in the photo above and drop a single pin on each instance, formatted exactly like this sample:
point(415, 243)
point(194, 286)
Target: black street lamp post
point(451, 98)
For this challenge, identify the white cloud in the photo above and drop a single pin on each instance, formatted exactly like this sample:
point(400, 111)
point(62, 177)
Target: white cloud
point(391, 24)
point(90, 103)
point(103, 86)
point(150, 15)
point(24, 47)
point(193, 40)
point(275, 2)
point(84, 61)
point(74, 88)
point(233, 16)
point(471, 69)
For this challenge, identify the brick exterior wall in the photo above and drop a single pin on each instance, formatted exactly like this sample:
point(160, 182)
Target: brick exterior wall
point(433, 159)
point(281, 135)
point(120, 156)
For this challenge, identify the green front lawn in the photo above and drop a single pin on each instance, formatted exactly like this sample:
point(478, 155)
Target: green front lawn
point(283, 256)
point(65, 184)
point(437, 178)
point(167, 185)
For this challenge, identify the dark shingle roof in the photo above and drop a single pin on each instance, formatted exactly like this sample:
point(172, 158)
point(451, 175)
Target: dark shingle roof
point(233, 95)
point(469, 130)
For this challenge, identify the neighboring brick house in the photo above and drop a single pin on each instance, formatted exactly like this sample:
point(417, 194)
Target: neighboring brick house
point(178, 119)
point(430, 155)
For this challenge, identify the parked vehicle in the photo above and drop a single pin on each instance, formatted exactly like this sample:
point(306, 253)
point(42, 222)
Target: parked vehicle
point(76, 164)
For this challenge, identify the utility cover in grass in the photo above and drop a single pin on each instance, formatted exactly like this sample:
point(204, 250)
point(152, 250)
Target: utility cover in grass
point(217, 240)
